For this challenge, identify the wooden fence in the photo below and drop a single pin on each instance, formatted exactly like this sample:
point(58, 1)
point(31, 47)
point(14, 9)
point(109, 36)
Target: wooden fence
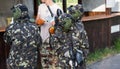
point(99, 30)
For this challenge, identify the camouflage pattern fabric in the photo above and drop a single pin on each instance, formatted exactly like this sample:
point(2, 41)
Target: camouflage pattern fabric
point(57, 54)
point(68, 46)
point(61, 43)
point(24, 39)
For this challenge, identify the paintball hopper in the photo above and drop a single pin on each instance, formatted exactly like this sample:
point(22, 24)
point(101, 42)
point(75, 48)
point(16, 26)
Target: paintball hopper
point(76, 11)
point(59, 12)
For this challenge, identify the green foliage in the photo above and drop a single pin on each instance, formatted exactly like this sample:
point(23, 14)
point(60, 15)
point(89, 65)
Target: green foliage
point(99, 55)
point(69, 2)
point(104, 53)
point(117, 45)
point(72, 1)
point(94, 56)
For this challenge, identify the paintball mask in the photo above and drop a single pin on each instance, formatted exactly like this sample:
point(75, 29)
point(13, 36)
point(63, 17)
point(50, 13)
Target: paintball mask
point(20, 11)
point(76, 11)
point(65, 22)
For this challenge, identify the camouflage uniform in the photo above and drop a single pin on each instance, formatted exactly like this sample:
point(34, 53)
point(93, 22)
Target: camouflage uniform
point(68, 46)
point(24, 39)
point(63, 43)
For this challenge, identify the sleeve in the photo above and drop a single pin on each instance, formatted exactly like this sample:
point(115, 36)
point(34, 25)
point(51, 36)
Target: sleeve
point(38, 15)
point(7, 35)
point(39, 8)
point(39, 39)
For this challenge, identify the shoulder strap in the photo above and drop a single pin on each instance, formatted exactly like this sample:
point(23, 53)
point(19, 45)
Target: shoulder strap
point(50, 11)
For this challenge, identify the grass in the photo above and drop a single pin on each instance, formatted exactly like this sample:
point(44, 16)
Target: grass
point(104, 53)
point(117, 45)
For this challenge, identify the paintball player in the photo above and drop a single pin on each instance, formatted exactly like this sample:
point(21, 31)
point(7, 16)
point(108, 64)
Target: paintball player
point(69, 43)
point(24, 39)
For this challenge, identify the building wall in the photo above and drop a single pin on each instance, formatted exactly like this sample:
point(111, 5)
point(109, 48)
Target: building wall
point(94, 5)
point(100, 5)
point(7, 4)
point(30, 5)
point(116, 7)
point(5, 9)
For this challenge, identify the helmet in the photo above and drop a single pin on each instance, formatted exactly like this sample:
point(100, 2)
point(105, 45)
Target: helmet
point(20, 11)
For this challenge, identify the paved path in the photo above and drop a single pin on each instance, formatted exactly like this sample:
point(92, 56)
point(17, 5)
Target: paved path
point(108, 63)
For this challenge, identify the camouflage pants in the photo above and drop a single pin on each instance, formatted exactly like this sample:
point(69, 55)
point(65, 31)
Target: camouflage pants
point(59, 56)
point(50, 60)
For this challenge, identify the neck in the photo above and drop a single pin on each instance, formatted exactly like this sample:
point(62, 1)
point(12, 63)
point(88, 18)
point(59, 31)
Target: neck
point(49, 2)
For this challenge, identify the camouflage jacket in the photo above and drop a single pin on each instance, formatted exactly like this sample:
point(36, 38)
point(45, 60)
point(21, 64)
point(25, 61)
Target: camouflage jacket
point(66, 45)
point(24, 39)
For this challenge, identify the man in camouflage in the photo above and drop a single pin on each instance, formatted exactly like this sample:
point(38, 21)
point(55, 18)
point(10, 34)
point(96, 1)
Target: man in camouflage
point(24, 39)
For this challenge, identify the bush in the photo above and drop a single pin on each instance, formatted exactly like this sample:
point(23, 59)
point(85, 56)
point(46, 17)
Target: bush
point(117, 45)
